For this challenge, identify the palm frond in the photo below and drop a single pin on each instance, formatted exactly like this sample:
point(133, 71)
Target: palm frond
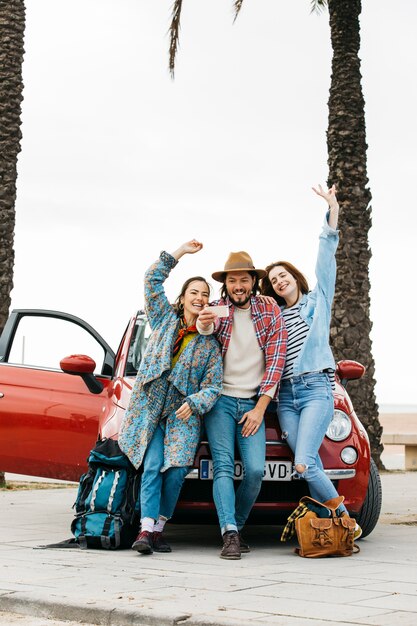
point(317, 6)
point(237, 5)
point(174, 34)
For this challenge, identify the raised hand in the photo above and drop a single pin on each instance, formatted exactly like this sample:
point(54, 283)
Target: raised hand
point(191, 247)
point(188, 247)
point(329, 195)
point(206, 318)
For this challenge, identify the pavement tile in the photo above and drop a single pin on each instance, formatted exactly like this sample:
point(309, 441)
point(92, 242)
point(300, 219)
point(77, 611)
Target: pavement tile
point(315, 593)
point(327, 580)
point(227, 617)
point(329, 611)
point(393, 601)
point(391, 587)
point(397, 572)
point(289, 620)
point(236, 615)
point(399, 618)
point(216, 583)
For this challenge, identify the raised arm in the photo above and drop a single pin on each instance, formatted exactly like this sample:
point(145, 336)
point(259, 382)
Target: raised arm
point(330, 197)
point(328, 242)
point(157, 305)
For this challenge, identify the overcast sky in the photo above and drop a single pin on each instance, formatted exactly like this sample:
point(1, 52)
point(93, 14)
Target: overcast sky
point(119, 162)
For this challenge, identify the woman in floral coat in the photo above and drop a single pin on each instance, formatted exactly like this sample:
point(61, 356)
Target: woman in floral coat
point(179, 380)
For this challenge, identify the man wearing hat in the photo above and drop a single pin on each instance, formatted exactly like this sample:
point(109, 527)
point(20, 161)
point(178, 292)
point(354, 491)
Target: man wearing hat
point(253, 339)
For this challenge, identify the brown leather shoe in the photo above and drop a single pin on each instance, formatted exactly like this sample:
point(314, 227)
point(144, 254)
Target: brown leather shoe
point(231, 547)
point(143, 542)
point(159, 543)
point(244, 546)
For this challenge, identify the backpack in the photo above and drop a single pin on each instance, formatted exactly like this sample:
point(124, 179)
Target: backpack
point(107, 511)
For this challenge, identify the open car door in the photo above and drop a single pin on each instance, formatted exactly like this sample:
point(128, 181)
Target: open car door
point(49, 420)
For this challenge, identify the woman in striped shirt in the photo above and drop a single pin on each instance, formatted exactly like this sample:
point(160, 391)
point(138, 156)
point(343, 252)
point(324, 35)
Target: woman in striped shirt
point(305, 405)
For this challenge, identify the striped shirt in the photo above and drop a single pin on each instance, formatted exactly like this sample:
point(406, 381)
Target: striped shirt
point(297, 330)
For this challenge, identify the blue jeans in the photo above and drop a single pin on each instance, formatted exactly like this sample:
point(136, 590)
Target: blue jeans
point(159, 492)
point(223, 431)
point(305, 410)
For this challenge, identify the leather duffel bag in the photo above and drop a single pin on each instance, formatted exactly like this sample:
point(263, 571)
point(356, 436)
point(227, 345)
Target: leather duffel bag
point(323, 530)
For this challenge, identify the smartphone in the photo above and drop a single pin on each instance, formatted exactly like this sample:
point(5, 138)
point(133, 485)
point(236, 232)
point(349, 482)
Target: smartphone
point(221, 310)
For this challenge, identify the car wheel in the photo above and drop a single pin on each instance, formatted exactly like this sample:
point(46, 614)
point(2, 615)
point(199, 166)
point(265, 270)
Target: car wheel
point(369, 513)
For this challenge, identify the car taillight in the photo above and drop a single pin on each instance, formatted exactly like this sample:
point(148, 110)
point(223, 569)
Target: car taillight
point(340, 427)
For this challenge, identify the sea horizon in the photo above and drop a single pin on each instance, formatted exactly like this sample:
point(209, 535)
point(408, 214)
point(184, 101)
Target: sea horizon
point(398, 408)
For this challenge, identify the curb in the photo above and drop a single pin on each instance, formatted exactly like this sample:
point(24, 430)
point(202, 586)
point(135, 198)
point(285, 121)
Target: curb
point(92, 615)
point(22, 605)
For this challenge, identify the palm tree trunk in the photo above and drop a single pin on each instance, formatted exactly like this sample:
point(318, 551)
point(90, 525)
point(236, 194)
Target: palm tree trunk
point(346, 142)
point(12, 27)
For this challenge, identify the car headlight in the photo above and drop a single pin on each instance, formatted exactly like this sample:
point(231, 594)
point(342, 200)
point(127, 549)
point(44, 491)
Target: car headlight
point(349, 455)
point(340, 427)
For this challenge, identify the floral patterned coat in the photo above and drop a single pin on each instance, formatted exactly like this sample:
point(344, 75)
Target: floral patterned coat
point(159, 391)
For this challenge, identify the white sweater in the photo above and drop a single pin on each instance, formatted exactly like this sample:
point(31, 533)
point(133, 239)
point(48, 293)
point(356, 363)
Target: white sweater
point(244, 361)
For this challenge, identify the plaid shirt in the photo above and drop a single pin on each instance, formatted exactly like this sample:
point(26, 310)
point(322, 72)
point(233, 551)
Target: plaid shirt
point(289, 530)
point(271, 335)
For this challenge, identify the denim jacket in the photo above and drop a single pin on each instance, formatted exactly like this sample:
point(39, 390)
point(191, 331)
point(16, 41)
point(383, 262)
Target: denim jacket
point(315, 308)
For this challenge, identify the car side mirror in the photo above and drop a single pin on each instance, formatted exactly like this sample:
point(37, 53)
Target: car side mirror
point(349, 370)
point(84, 366)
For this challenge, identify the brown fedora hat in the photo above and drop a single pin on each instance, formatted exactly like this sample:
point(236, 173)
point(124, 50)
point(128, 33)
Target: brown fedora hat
point(238, 262)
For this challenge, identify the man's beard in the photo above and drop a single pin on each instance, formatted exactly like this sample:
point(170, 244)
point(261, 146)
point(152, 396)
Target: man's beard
point(239, 304)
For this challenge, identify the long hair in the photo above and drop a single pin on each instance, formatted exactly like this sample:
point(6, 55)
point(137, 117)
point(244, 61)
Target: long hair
point(268, 290)
point(178, 306)
point(255, 289)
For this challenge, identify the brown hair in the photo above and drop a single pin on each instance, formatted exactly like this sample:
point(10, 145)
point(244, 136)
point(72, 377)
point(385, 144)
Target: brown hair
point(255, 289)
point(268, 290)
point(178, 307)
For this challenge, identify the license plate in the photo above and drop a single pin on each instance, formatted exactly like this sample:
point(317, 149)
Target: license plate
point(274, 470)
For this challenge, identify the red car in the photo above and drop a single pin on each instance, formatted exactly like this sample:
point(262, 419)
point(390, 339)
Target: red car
point(50, 419)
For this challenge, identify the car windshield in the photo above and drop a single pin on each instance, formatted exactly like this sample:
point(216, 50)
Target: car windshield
point(138, 343)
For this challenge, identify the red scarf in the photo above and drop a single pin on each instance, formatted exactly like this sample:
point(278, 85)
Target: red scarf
point(185, 330)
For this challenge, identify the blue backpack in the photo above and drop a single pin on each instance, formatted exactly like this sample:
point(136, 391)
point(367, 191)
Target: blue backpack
point(107, 504)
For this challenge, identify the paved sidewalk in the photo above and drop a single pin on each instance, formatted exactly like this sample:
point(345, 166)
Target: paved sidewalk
point(193, 586)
